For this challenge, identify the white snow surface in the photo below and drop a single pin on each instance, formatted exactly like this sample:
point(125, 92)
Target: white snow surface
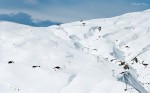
point(88, 57)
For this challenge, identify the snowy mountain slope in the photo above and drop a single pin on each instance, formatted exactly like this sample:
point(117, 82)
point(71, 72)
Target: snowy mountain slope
point(76, 57)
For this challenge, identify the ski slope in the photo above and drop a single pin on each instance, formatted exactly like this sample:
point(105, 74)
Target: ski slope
point(77, 57)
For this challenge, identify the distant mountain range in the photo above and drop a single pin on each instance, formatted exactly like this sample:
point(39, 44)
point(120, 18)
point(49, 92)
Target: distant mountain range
point(24, 18)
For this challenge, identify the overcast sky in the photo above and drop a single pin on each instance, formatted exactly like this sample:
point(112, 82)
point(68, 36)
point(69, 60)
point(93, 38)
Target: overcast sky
point(72, 10)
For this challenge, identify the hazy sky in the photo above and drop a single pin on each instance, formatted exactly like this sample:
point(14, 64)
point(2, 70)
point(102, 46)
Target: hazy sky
point(72, 10)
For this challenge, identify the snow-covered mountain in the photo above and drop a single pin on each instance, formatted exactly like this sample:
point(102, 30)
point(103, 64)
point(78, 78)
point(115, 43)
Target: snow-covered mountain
point(80, 57)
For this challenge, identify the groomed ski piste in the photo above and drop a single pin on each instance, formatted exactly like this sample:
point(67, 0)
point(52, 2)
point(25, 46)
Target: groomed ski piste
point(107, 55)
